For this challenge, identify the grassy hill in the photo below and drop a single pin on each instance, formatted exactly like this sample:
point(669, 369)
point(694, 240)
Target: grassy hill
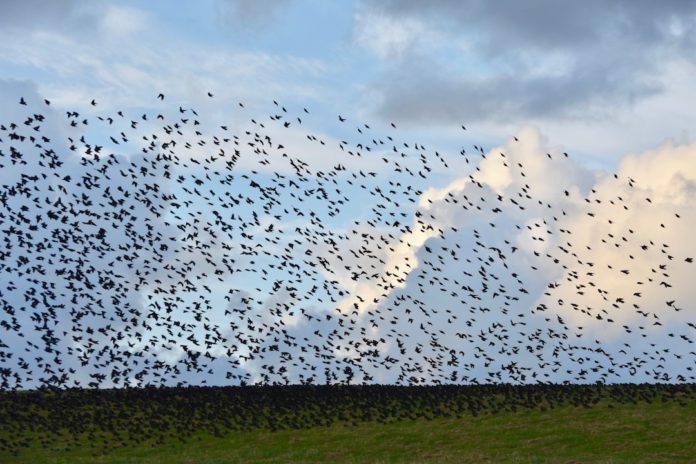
point(449, 424)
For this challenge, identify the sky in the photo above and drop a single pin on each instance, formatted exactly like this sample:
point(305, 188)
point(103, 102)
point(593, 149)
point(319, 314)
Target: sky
point(609, 84)
point(600, 79)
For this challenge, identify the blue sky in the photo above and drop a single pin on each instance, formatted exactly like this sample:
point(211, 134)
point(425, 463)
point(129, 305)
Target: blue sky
point(611, 85)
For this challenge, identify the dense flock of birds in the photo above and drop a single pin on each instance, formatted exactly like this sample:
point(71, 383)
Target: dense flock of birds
point(101, 420)
point(159, 248)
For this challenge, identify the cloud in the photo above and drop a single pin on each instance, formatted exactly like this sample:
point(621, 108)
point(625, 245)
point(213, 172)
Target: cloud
point(512, 61)
point(509, 26)
point(387, 36)
point(251, 13)
point(426, 92)
point(130, 56)
point(36, 12)
point(74, 17)
point(120, 21)
point(576, 254)
point(640, 238)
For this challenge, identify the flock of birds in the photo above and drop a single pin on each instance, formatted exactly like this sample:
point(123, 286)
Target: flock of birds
point(158, 248)
point(101, 420)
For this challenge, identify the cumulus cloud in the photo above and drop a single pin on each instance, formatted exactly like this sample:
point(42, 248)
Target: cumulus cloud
point(574, 254)
point(640, 229)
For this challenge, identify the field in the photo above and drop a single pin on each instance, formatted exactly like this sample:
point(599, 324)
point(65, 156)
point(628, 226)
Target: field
point(610, 424)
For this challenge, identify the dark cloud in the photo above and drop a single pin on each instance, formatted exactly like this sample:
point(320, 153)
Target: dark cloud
point(33, 13)
point(434, 94)
point(542, 59)
point(546, 24)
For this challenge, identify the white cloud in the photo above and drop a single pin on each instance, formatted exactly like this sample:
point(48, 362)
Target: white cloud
point(389, 37)
point(122, 21)
point(593, 289)
point(644, 214)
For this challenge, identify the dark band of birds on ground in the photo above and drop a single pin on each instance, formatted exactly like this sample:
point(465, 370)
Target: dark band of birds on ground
point(105, 419)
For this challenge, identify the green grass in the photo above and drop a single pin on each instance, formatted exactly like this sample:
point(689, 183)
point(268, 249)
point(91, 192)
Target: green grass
point(609, 431)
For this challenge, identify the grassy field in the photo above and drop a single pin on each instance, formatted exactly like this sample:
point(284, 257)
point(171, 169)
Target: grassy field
point(609, 429)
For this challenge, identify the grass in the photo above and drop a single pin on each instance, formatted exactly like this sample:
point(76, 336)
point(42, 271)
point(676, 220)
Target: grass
point(609, 430)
